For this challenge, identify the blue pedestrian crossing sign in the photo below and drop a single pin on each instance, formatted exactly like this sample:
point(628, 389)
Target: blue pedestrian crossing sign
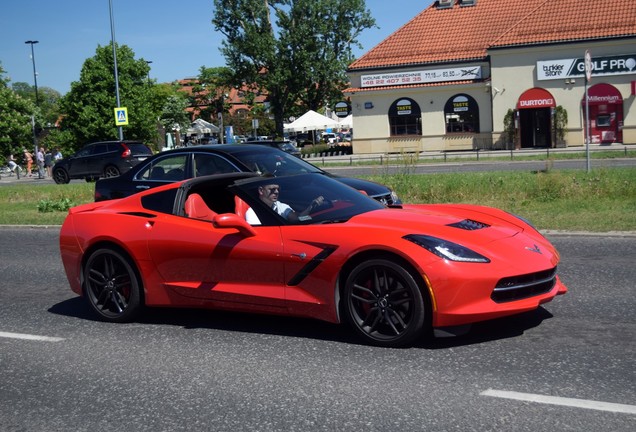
point(121, 116)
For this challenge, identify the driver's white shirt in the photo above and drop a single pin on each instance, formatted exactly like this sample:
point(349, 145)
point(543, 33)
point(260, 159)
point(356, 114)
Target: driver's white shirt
point(279, 207)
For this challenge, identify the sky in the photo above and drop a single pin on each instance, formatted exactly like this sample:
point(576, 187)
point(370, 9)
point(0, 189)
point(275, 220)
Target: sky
point(177, 37)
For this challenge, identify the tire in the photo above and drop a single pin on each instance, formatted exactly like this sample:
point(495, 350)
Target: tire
point(384, 304)
point(111, 171)
point(61, 176)
point(111, 286)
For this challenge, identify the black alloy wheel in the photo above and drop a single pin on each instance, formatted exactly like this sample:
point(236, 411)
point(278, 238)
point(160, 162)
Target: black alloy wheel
point(111, 286)
point(384, 304)
point(111, 171)
point(61, 176)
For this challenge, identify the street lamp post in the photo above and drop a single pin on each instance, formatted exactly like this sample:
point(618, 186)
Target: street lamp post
point(112, 37)
point(35, 75)
point(37, 100)
point(148, 62)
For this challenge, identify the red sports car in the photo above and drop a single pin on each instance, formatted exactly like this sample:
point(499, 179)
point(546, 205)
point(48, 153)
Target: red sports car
point(313, 247)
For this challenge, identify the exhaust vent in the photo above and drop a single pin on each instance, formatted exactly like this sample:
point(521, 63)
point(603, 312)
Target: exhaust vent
point(469, 225)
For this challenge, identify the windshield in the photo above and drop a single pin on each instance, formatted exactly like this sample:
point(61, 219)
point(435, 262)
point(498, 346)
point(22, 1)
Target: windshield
point(303, 199)
point(274, 163)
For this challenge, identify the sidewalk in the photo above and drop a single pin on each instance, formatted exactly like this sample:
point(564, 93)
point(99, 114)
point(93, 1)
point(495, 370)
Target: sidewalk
point(24, 179)
point(442, 156)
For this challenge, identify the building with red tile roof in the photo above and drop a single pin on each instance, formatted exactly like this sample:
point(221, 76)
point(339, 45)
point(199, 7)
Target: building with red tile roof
point(466, 74)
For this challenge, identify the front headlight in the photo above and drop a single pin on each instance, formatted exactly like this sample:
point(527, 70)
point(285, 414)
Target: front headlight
point(445, 249)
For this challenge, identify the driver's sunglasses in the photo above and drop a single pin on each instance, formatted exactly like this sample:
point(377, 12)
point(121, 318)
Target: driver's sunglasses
point(271, 190)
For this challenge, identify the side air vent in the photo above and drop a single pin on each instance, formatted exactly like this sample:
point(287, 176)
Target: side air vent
point(469, 225)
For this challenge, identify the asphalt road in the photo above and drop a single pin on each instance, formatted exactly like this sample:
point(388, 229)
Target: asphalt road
point(574, 359)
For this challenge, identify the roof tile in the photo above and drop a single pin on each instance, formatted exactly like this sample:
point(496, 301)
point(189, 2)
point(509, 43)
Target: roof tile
point(466, 33)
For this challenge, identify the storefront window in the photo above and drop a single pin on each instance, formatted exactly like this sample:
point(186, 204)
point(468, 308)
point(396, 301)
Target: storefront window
point(461, 114)
point(405, 117)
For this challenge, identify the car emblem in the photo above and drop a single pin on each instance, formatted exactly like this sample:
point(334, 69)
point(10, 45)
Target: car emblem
point(534, 249)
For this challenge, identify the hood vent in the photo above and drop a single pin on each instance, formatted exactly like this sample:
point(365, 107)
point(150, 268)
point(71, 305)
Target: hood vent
point(469, 225)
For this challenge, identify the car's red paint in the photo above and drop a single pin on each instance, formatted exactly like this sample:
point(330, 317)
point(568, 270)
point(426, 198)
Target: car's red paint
point(301, 270)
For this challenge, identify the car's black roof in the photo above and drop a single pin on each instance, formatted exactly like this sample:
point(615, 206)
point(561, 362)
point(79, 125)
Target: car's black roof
point(226, 148)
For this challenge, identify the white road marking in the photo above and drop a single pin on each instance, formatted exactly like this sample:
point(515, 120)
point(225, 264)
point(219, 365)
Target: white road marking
point(554, 400)
point(30, 337)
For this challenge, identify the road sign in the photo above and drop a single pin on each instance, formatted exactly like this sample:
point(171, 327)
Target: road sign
point(121, 116)
point(588, 66)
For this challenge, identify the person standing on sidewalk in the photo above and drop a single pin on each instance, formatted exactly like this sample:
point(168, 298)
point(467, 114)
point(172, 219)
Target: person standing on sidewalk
point(28, 158)
point(40, 162)
point(48, 163)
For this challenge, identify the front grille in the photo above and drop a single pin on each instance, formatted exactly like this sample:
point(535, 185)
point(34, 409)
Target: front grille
point(385, 199)
point(524, 286)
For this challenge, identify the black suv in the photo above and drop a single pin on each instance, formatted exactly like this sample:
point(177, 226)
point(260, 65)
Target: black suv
point(101, 159)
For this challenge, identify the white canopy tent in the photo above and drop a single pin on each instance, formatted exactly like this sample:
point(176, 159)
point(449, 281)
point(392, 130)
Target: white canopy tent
point(200, 127)
point(346, 122)
point(310, 121)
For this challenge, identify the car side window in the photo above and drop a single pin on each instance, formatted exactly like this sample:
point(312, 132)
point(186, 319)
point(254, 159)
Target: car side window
point(161, 202)
point(169, 168)
point(99, 149)
point(208, 164)
point(84, 152)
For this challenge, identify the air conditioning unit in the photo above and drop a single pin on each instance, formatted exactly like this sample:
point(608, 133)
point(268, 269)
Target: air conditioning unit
point(445, 4)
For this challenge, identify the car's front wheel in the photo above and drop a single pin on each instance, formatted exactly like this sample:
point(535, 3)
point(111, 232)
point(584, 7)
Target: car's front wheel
point(61, 176)
point(383, 303)
point(111, 286)
point(111, 171)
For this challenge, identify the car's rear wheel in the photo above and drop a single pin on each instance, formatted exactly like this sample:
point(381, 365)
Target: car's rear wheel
point(111, 285)
point(111, 171)
point(384, 304)
point(61, 176)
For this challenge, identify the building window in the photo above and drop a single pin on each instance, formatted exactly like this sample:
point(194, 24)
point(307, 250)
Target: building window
point(461, 114)
point(405, 117)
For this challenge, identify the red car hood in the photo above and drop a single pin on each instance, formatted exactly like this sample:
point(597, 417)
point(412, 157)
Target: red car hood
point(480, 225)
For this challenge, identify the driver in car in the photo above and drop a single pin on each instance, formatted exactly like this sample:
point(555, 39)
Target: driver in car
point(269, 195)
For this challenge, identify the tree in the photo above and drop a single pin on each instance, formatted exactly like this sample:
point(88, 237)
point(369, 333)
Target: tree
point(209, 93)
point(49, 99)
point(15, 119)
point(300, 59)
point(173, 105)
point(88, 107)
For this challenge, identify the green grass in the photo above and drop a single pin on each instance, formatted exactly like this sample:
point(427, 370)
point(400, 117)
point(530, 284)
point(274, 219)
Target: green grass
point(503, 156)
point(28, 204)
point(600, 201)
point(603, 200)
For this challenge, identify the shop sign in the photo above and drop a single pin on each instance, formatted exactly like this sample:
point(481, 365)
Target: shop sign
point(403, 107)
point(422, 77)
point(536, 98)
point(575, 68)
point(460, 104)
point(342, 109)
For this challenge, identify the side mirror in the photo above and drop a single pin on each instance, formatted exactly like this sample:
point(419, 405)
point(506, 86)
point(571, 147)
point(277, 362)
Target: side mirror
point(230, 220)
